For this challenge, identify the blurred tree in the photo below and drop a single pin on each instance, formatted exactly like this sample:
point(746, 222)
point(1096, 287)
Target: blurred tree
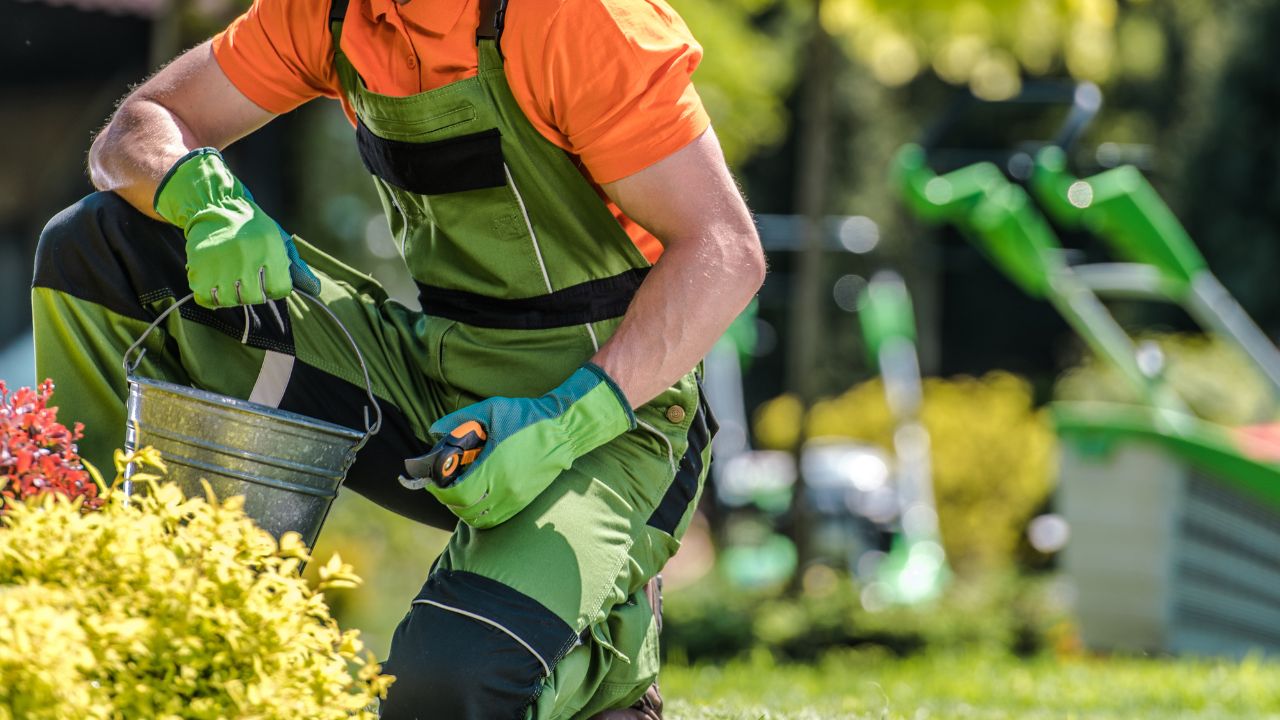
point(1161, 96)
point(180, 24)
point(748, 66)
point(985, 44)
point(1227, 180)
point(992, 453)
point(882, 100)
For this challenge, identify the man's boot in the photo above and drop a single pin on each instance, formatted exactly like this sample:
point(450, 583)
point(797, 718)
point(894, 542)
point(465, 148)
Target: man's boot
point(648, 707)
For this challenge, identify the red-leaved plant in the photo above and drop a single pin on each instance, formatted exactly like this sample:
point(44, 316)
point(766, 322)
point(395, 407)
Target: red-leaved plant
point(37, 453)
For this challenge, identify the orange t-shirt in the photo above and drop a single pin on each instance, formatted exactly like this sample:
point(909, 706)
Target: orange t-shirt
point(608, 81)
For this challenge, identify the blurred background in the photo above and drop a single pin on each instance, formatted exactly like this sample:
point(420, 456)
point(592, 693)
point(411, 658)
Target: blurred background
point(930, 459)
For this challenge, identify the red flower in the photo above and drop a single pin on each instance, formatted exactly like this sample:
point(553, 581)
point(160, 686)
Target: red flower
point(37, 453)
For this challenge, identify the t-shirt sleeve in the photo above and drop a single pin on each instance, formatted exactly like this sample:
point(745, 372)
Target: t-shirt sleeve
point(278, 53)
point(616, 82)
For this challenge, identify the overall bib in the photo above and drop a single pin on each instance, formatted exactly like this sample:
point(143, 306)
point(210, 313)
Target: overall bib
point(523, 273)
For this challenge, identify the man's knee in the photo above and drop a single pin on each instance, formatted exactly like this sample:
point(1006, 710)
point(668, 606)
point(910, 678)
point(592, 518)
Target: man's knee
point(452, 666)
point(472, 649)
point(82, 223)
point(104, 250)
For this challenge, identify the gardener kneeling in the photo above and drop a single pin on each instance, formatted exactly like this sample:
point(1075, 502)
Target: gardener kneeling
point(552, 180)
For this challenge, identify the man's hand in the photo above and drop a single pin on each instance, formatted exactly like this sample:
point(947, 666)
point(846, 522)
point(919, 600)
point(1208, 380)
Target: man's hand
point(236, 254)
point(530, 442)
point(159, 152)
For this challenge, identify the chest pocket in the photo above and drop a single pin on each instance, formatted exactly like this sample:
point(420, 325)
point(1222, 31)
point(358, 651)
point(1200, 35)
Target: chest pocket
point(463, 222)
point(456, 164)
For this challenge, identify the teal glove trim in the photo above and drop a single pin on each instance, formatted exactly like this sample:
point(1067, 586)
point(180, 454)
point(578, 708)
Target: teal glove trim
point(236, 254)
point(622, 397)
point(299, 271)
point(530, 442)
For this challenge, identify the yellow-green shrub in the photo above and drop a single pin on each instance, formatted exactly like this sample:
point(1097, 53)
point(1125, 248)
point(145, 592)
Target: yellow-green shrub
point(394, 555)
point(1216, 379)
point(992, 452)
point(168, 608)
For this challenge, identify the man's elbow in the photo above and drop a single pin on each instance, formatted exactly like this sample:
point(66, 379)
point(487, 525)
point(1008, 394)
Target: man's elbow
point(98, 149)
point(105, 147)
point(752, 262)
point(108, 153)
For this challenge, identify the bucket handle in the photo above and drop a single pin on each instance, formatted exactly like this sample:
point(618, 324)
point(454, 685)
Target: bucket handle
point(371, 426)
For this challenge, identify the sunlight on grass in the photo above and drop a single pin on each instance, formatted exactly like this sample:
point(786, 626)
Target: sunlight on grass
point(876, 686)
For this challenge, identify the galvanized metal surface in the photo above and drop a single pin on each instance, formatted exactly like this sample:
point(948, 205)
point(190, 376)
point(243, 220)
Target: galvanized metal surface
point(288, 467)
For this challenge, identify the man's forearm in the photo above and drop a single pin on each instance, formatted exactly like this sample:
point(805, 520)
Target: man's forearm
point(684, 305)
point(132, 154)
point(189, 104)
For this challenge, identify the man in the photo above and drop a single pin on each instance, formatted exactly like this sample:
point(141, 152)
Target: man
point(553, 183)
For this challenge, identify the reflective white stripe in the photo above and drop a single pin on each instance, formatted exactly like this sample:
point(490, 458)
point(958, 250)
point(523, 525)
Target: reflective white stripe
point(273, 378)
point(404, 222)
point(545, 668)
point(537, 249)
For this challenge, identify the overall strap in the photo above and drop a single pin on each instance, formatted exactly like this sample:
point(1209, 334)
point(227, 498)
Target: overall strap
point(493, 15)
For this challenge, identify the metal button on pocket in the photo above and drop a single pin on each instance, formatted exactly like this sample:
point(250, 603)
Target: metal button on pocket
point(675, 414)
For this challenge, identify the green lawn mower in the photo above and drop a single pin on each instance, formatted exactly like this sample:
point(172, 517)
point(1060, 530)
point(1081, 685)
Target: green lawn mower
point(1175, 521)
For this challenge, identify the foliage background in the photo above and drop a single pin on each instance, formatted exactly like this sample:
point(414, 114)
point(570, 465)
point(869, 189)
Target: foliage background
point(993, 455)
point(1191, 97)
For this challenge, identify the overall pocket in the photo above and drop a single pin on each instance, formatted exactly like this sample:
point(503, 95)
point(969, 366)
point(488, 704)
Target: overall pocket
point(630, 636)
point(463, 222)
point(435, 332)
point(457, 164)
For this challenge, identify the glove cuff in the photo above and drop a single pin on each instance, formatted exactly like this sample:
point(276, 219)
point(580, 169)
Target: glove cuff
point(617, 391)
point(196, 181)
point(593, 410)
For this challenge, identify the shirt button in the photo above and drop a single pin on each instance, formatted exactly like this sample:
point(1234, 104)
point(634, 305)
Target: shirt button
point(675, 414)
point(413, 62)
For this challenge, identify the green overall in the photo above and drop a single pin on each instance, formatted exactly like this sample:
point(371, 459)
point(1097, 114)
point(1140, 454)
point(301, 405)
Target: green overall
point(523, 274)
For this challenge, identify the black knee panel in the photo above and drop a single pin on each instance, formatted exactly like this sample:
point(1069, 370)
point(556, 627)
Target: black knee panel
point(472, 648)
point(102, 249)
point(105, 251)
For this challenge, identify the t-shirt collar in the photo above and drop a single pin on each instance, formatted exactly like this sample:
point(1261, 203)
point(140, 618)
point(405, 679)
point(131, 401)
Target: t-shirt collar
point(435, 16)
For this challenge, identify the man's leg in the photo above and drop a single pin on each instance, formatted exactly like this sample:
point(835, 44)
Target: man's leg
point(545, 616)
point(649, 706)
point(104, 271)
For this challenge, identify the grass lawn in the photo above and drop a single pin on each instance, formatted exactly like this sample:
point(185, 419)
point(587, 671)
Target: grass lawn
point(875, 686)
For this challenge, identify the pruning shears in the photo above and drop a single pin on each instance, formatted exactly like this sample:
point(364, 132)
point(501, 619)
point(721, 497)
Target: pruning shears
point(448, 459)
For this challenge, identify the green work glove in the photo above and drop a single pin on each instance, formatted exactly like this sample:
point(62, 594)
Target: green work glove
point(236, 254)
point(530, 442)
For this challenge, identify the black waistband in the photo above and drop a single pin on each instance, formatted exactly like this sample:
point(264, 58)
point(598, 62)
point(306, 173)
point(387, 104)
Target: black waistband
point(590, 301)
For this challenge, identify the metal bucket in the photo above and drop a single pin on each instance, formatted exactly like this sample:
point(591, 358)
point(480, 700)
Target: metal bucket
point(287, 466)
